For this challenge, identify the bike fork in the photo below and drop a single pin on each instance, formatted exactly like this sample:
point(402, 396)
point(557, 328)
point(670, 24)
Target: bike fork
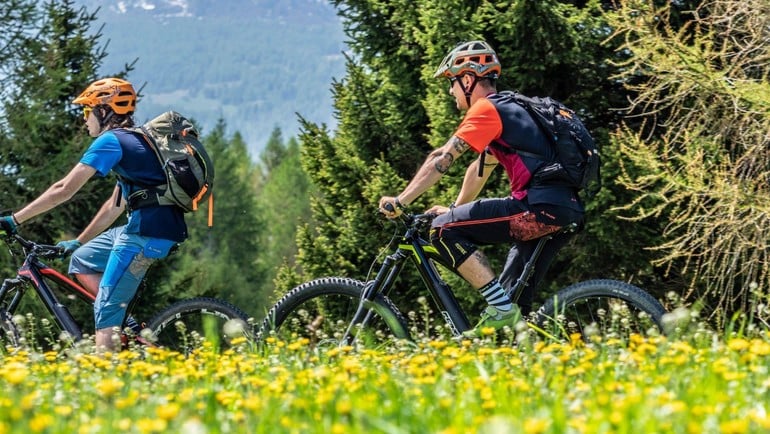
point(384, 278)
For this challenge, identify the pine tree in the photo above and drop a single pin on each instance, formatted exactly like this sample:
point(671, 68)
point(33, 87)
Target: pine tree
point(284, 198)
point(51, 57)
point(223, 260)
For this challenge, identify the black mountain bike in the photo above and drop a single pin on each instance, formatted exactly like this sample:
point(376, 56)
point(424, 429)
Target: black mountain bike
point(181, 326)
point(341, 310)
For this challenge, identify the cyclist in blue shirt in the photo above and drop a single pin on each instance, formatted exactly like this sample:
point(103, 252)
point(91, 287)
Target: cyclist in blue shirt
point(110, 262)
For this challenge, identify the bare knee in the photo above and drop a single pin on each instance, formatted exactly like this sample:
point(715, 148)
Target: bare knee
point(90, 282)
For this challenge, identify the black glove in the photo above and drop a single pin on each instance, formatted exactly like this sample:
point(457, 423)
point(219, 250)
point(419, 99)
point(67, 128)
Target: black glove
point(8, 224)
point(68, 246)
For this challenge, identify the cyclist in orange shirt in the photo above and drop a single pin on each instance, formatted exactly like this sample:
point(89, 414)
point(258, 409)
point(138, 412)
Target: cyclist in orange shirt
point(530, 212)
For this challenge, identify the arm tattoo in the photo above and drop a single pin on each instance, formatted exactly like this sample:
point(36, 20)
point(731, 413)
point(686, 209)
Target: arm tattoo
point(459, 144)
point(443, 162)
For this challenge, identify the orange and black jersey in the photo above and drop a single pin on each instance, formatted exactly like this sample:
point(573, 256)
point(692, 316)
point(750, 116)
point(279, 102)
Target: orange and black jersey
point(499, 118)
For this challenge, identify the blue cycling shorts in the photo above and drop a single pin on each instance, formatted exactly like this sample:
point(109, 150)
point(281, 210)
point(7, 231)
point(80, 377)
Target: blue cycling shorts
point(123, 260)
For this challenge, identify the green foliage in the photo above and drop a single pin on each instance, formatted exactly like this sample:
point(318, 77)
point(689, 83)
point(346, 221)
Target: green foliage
point(52, 58)
point(284, 201)
point(16, 18)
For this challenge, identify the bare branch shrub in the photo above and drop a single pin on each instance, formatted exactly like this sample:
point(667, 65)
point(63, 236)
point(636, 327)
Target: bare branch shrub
point(703, 93)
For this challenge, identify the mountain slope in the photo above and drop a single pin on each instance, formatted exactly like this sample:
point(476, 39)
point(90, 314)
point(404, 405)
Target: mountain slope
point(253, 63)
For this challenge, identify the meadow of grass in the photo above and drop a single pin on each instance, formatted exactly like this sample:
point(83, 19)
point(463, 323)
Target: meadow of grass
point(698, 383)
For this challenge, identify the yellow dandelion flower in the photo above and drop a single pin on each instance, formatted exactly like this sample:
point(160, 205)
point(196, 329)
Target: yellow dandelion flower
point(736, 426)
point(733, 376)
point(438, 345)
point(63, 410)
point(40, 422)
point(239, 340)
point(253, 403)
point(50, 356)
point(760, 347)
point(15, 373)
point(226, 397)
point(168, 411)
point(109, 387)
point(577, 370)
point(147, 425)
point(536, 425)
point(448, 363)
point(738, 344)
point(487, 331)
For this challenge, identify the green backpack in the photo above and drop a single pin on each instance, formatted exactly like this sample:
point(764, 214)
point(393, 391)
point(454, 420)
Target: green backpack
point(188, 168)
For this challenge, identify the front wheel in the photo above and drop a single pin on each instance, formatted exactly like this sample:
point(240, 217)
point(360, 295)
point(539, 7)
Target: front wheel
point(186, 324)
point(321, 311)
point(608, 308)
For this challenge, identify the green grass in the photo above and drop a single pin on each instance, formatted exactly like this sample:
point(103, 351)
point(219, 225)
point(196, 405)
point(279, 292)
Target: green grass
point(698, 383)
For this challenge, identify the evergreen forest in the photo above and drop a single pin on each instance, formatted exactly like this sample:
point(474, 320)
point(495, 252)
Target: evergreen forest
point(675, 92)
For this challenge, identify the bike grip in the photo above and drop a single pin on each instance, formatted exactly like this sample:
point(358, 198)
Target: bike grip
point(389, 207)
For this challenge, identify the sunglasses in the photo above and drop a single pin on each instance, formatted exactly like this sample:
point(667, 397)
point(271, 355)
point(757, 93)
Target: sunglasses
point(87, 112)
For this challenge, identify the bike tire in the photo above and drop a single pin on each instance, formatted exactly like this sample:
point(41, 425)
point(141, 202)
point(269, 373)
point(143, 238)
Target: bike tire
point(608, 308)
point(186, 324)
point(321, 311)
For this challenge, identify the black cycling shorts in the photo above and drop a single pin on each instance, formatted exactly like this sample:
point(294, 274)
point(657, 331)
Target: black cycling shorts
point(458, 233)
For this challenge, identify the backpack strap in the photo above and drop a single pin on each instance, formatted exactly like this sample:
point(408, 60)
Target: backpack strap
point(144, 198)
point(149, 195)
point(505, 147)
point(501, 145)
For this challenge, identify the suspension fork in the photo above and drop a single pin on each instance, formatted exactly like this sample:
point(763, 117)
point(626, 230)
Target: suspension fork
point(383, 281)
point(17, 283)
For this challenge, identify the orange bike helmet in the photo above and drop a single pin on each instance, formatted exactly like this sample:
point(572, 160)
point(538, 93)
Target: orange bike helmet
point(475, 57)
point(114, 92)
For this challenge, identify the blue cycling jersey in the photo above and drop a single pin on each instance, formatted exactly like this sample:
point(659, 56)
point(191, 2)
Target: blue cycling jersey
point(127, 154)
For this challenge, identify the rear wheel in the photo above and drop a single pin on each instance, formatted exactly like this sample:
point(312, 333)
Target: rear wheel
point(608, 308)
point(186, 324)
point(320, 312)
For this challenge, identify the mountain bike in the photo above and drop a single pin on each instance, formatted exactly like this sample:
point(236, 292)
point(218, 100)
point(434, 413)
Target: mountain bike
point(182, 326)
point(342, 310)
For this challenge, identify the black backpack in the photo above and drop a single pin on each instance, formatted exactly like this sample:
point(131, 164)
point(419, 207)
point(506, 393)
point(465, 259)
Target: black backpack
point(577, 157)
point(188, 168)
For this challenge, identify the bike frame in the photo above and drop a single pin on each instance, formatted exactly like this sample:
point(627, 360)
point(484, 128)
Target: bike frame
point(35, 273)
point(413, 247)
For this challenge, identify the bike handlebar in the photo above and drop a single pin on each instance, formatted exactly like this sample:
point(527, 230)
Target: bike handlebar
point(40, 250)
point(416, 221)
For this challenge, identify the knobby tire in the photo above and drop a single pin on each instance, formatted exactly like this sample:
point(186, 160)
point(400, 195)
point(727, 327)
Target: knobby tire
point(609, 308)
point(184, 325)
point(321, 311)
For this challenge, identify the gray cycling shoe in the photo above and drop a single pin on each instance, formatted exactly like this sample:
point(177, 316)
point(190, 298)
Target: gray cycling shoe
point(494, 318)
